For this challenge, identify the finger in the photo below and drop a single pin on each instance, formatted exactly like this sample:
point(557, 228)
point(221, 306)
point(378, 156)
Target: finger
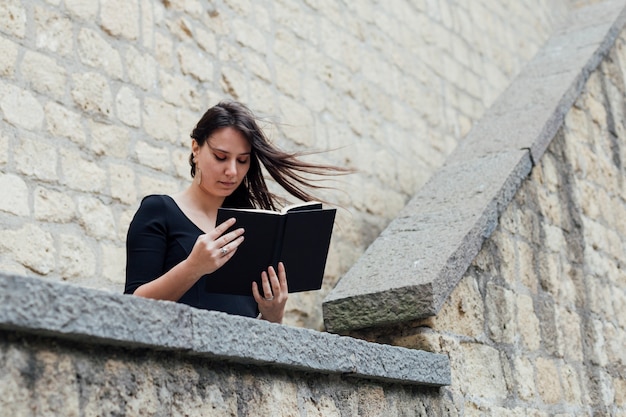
point(267, 289)
point(274, 281)
point(230, 236)
point(221, 228)
point(282, 277)
point(230, 248)
point(255, 293)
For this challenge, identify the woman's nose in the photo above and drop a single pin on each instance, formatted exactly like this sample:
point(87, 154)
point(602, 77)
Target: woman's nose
point(231, 167)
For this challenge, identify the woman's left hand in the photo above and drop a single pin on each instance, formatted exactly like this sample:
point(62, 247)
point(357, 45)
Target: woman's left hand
point(275, 293)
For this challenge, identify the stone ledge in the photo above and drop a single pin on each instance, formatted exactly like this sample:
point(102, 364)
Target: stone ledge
point(58, 310)
point(411, 268)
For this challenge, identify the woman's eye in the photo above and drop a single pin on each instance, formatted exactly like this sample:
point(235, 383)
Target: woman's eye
point(242, 161)
point(220, 158)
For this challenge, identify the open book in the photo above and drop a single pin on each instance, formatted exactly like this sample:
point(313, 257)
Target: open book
point(299, 236)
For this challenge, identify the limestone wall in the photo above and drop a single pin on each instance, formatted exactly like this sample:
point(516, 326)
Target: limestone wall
point(97, 99)
point(537, 326)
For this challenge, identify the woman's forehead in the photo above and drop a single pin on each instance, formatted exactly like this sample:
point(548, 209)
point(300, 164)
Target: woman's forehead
point(230, 140)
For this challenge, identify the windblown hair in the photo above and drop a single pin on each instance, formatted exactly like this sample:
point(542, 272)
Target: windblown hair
point(285, 168)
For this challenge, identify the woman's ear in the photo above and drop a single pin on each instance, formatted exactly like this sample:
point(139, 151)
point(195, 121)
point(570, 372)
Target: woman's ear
point(194, 147)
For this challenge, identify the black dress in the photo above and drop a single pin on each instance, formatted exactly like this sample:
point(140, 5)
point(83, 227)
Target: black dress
point(161, 236)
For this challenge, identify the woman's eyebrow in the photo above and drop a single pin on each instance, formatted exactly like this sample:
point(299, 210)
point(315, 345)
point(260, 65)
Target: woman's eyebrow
point(226, 152)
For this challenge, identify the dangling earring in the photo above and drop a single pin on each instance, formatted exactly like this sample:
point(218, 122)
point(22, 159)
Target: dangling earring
point(198, 177)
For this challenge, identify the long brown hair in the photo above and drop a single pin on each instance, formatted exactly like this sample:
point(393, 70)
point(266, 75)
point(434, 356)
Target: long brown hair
point(285, 168)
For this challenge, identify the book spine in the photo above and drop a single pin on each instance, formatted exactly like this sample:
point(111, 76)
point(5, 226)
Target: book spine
point(280, 238)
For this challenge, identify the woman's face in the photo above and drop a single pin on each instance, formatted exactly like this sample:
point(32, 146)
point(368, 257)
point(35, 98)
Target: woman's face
point(224, 161)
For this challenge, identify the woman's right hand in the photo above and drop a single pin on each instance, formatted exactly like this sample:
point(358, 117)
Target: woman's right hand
point(212, 250)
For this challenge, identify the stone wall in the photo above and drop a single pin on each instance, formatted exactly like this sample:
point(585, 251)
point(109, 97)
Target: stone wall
point(537, 325)
point(97, 99)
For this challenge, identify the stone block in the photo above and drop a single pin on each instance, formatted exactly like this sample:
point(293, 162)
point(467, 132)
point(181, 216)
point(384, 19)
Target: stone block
point(464, 312)
point(77, 257)
point(63, 122)
point(524, 375)
point(179, 91)
point(85, 10)
point(97, 52)
point(206, 40)
point(527, 261)
point(528, 323)
point(96, 218)
point(484, 365)
point(82, 174)
point(500, 311)
point(249, 36)
point(595, 344)
point(159, 120)
point(548, 383)
point(299, 129)
point(8, 57)
point(120, 18)
point(53, 32)
point(16, 195)
point(569, 330)
point(195, 63)
point(30, 239)
point(109, 140)
point(122, 180)
point(114, 264)
point(13, 18)
point(615, 341)
point(4, 149)
point(53, 206)
point(259, 67)
point(157, 185)
point(153, 156)
point(44, 74)
point(127, 106)
point(37, 158)
point(164, 50)
point(20, 107)
point(141, 69)
point(92, 94)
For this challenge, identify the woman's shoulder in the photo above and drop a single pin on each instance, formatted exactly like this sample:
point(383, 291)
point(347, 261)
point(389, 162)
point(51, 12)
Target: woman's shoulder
point(156, 202)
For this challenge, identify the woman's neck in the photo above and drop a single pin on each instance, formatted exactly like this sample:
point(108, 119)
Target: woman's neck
point(200, 207)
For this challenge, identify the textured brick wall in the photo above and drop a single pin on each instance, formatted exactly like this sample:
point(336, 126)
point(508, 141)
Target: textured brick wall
point(97, 99)
point(537, 326)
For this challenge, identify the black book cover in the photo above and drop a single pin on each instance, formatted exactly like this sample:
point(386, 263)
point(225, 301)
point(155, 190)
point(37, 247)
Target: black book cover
point(299, 237)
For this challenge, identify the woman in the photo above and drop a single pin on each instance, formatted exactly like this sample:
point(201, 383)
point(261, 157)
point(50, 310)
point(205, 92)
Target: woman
point(173, 243)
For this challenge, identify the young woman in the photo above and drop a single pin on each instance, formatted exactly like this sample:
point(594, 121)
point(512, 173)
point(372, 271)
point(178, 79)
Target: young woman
point(173, 243)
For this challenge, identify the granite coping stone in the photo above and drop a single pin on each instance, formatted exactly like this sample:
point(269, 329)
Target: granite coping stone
point(410, 269)
point(419, 257)
point(59, 310)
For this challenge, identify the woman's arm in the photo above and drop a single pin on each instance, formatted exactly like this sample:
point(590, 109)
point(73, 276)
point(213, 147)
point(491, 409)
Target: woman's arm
point(147, 249)
point(206, 256)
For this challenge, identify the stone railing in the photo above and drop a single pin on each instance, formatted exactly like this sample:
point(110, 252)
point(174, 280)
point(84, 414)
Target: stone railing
point(410, 270)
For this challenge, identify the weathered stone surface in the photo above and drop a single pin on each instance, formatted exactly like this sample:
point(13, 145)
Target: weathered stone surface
point(410, 274)
point(426, 249)
point(389, 90)
point(33, 306)
point(15, 192)
point(20, 107)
